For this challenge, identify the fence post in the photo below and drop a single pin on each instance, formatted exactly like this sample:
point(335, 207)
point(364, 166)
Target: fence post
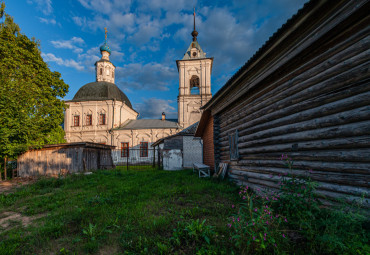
point(159, 158)
point(128, 155)
point(153, 157)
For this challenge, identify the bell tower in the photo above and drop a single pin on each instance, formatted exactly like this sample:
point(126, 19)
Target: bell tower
point(194, 82)
point(104, 68)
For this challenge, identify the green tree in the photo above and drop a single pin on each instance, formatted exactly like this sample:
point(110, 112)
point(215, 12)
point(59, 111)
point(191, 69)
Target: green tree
point(31, 110)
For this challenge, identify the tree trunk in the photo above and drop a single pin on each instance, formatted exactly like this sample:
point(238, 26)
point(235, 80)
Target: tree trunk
point(0, 174)
point(5, 160)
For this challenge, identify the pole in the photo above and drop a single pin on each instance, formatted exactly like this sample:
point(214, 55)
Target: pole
point(127, 155)
point(5, 159)
point(153, 157)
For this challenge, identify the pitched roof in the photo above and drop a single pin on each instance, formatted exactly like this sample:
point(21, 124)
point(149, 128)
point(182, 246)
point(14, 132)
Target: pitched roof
point(194, 44)
point(189, 131)
point(148, 124)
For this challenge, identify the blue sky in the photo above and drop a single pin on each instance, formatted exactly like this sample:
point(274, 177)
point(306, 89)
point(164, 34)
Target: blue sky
point(146, 38)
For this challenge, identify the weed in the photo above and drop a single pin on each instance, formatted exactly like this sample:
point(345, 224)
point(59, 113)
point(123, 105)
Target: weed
point(194, 231)
point(90, 232)
point(256, 227)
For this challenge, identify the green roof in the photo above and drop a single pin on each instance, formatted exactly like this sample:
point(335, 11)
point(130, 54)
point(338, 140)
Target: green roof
point(194, 44)
point(100, 91)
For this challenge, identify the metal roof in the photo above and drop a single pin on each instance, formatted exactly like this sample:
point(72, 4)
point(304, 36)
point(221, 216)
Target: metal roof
point(148, 124)
point(100, 91)
point(194, 44)
point(189, 131)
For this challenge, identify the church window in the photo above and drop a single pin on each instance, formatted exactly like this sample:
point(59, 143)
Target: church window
point(76, 121)
point(144, 149)
point(125, 150)
point(101, 71)
point(102, 119)
point(194, 85)
point(112, 74)
point(88, 120)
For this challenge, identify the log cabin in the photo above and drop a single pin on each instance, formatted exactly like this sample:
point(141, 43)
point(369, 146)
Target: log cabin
point(306, 94)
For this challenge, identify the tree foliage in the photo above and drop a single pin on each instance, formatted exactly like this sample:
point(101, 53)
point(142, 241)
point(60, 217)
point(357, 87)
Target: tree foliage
point(30, 109)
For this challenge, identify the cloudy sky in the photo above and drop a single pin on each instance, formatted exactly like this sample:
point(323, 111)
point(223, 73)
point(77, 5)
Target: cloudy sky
point(146, 38)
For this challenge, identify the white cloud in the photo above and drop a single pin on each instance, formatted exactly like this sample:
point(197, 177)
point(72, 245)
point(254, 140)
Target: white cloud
point(50, 57)
point(43, 5)
point(69, 44)
point(79, 21)
point(47, 21)
point(153, 108)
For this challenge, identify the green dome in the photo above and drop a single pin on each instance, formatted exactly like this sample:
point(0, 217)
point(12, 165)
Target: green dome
point(100, 91)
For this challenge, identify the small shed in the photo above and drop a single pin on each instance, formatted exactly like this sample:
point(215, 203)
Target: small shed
point(54, 159)
point(181, 150)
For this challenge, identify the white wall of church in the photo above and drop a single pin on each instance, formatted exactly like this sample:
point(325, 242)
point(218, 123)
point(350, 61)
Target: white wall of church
point(115, 112)
point(188, 104)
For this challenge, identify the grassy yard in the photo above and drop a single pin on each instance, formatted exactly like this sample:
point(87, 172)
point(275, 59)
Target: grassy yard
point(115, 212)
point(173, 212)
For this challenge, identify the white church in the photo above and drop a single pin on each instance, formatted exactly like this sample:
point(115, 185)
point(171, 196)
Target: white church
point(101, 113)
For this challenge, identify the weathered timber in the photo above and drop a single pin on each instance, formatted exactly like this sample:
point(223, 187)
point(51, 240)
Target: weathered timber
point(73, 158)
point(306, 93)
point(264, 63)
point(291, 80)
point(331, 85)
point(361, 180)
point(322, 184)
point(308, 110)
point(342, 118)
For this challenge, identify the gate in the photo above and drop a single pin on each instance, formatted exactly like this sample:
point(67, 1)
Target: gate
point(136, 159)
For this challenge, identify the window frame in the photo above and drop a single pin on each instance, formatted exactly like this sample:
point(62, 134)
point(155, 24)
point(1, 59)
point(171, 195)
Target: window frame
point(125, 150)
point(76, 117)
point(102, 118)
point(144, 149)
point(88, 120)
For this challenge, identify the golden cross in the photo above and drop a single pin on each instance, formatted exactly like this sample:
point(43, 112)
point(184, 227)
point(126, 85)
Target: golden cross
point(106, 31)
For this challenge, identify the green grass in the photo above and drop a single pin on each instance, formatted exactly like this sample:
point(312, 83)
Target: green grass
point(120, 212)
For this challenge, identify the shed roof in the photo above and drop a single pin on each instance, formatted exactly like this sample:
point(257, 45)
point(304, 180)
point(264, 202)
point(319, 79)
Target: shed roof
point(189, 131)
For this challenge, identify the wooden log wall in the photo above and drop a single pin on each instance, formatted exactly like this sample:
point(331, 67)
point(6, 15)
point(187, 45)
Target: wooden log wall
point(311, 101)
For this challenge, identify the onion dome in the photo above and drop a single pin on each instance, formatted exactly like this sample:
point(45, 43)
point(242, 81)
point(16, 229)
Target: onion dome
point(105, 47)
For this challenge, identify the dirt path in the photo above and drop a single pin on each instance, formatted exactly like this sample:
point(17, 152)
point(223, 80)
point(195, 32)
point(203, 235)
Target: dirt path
point(11, 185)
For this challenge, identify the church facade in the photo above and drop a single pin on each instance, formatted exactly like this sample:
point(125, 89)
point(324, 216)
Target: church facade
point(100, 112)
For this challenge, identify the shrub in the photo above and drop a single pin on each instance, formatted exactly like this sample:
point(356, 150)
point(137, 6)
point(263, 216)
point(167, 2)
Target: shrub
point(297, 198)
point(256, 227)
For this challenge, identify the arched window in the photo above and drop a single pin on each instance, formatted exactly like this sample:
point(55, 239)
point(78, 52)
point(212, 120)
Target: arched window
point(101, 71)
point(113, 74)
point(194, 85)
